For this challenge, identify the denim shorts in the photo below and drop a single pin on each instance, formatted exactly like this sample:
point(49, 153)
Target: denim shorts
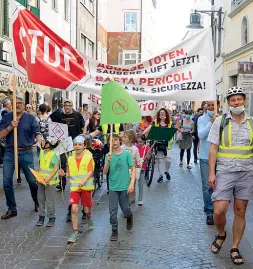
point(237, 184)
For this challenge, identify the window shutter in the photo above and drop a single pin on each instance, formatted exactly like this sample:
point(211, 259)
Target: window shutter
point(22, 2)
point(35, 11)
point(6, 18)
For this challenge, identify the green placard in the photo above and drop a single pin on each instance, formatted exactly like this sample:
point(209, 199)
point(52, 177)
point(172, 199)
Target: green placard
point(158, 133)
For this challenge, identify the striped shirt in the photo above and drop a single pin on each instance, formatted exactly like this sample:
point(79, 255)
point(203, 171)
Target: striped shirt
point(240, 137)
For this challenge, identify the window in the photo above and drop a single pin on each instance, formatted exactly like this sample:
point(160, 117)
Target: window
point(5, 19)
point(130, 22)
point(129, 57)
point(34, 3)
point(66, 9)
point(89, 4)
point(245, 31)
point(54, 4)
point(86, 46)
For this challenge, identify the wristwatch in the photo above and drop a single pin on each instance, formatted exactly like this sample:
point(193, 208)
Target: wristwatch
point(9, 129)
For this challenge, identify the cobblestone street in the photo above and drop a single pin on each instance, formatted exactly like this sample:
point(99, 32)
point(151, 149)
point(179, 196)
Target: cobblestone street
point(169, 232)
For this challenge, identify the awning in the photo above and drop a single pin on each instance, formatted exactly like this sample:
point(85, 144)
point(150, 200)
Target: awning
point(23, 84)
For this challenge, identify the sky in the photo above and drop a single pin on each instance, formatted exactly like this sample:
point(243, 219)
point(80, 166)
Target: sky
point(173, 17)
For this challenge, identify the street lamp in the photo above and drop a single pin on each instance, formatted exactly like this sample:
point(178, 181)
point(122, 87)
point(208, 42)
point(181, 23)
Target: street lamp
point(195, 19)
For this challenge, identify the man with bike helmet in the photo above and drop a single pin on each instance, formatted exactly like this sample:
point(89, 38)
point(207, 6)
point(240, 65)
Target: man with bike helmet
point(231, 155)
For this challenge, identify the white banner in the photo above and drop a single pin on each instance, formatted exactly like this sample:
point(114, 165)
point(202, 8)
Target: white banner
point(183, 73)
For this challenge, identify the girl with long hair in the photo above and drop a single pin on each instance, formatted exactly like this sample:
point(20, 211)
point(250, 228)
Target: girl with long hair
point(92, 124)
point(164, 154)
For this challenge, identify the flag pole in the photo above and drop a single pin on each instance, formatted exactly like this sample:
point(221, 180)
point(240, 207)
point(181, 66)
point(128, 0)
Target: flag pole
point(60, 169)
point(111, 140)
point(15, 130)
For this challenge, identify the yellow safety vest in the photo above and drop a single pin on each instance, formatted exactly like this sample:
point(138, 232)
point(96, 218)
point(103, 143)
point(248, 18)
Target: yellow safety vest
point(105, 129)
point(78, 175)
point(227, 150)
point(86, 151)
point(170, 143)
point(45, 170)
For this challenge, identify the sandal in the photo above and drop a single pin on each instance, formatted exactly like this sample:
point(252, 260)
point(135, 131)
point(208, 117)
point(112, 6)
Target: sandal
point(181, 164)
point(188, 166)
point(239, 256)
point(218, 247)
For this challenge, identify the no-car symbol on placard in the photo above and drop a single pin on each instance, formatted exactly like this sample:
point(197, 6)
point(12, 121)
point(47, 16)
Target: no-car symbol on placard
point(120, 106)
point(58, 130)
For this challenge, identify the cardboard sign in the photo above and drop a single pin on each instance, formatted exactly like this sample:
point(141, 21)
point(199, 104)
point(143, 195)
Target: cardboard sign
point(58, 131)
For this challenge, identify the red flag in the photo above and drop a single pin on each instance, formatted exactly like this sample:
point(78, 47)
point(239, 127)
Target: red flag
point(38, 50)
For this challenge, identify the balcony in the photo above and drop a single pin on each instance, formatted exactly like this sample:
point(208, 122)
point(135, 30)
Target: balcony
point(237, 6)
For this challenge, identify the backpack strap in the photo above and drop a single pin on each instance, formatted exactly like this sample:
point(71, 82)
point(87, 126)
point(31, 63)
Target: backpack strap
point(224, 123)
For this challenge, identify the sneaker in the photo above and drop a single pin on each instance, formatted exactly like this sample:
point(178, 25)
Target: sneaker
point(68, 217)
point(114, 236)
point(168, 175)
point(74, 236)
point(140, 203)
point(160, 179)
point(129, 224)
point(19, 181)
point(41, 220)
point(51, 222)
point(90, 224)
point(209, 220)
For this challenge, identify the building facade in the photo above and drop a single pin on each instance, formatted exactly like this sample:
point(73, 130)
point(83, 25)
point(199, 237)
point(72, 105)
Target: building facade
point(237, 45)
point(25, 88)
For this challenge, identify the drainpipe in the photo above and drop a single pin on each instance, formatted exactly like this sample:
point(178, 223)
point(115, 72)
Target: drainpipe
point(141, 26)
point(96, 29)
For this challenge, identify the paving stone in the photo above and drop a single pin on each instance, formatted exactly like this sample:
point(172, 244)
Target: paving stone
point(169, 232)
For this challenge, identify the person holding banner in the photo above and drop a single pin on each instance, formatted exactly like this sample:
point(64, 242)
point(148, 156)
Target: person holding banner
point(231, 169)
point(164, 153)
point(27, 129)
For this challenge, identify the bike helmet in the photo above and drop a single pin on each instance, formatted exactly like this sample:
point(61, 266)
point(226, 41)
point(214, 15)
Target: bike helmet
point(235, 90)
point(52, 142)
point(96, 145)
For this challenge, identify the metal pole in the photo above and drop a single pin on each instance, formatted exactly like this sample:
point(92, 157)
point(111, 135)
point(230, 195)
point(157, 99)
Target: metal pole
point(212, 20)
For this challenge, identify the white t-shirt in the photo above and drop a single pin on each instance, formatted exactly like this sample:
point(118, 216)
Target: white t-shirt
point(133, 150)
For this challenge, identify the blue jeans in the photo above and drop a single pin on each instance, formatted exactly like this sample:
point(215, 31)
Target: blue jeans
point(25, 160)
point(207, 191)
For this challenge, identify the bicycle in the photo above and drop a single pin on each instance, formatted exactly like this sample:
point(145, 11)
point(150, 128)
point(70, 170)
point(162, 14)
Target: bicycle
point(149, 173)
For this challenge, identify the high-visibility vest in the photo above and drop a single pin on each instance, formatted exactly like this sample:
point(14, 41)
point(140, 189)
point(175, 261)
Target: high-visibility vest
point(45, 170)
point(170, 143)
point(86, 151)
point(78, 175)
point(227, 150)
point(105, 129)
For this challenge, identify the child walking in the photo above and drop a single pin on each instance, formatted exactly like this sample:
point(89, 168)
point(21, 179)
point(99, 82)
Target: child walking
point(129, 140)
point(144, 151)
point(49, 171)
point(80, 170)
point(120, 185)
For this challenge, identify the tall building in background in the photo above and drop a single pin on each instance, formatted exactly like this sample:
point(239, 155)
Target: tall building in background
point(130, 31)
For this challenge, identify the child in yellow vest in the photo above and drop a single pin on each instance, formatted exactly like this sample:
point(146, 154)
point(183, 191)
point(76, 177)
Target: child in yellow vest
point(49, 171)
point(80, 170)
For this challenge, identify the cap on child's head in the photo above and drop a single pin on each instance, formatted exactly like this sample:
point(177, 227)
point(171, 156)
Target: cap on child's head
point(78, 139)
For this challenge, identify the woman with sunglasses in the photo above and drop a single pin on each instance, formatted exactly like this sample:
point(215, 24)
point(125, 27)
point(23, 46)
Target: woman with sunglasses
point(92, 124)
